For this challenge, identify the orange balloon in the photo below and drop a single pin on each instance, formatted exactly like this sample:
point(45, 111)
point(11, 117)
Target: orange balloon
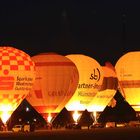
point(128, 73)
point(56, 80)
point(17, 74)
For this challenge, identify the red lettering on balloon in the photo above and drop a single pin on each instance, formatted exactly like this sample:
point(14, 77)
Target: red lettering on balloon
point(6, 83)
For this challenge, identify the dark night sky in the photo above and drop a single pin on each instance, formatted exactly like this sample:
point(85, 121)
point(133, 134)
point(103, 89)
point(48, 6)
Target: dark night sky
point(102, 29)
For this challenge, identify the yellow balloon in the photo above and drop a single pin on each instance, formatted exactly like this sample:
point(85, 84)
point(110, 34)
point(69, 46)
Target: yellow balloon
point(17, 74)
point(128, 73)
point(106, 93)
point(90, 81)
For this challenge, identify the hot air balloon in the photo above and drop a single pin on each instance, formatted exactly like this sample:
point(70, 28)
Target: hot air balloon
point(106, 93)
point(56, 80)
point(90, 80)
point(128, 73)
point(17, 74)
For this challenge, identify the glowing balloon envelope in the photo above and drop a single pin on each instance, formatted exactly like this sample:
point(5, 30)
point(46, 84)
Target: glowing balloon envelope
point(17, 73)
point(106, 93)
point(90, 80)
point(128, 73)
point(56, 80)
